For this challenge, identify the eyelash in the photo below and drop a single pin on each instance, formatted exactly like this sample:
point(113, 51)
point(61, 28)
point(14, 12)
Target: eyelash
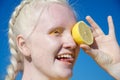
point(57, 32)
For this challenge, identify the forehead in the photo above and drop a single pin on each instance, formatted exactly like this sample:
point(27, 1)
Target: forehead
point(57, 15)
point(60, 10)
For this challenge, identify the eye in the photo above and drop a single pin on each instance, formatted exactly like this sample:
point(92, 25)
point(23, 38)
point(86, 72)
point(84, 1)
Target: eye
point(56, 32)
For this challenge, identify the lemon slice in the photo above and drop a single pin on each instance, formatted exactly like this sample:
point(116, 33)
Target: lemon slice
point(82, 33)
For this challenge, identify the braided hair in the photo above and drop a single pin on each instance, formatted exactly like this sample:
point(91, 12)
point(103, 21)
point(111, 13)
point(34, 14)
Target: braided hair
point(16, 56)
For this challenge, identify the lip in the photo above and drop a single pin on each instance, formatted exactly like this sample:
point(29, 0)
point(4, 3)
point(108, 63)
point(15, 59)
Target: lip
point(67, 61)
point(71, 60)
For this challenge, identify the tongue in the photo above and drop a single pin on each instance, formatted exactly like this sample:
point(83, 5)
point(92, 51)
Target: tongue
point(66, 59)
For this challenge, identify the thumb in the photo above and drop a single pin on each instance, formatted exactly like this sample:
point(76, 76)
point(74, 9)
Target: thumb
point(88, 50)
point(99, 56)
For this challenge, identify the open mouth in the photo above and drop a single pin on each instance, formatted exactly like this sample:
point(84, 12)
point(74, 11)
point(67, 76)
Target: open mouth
point(69, 58)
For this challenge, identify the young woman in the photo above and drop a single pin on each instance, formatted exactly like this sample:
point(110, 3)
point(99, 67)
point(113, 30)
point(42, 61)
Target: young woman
point(42, 47)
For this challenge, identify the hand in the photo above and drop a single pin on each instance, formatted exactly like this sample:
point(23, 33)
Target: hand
point(105, 49)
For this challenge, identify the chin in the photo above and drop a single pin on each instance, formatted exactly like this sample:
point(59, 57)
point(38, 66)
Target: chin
point(65, 74)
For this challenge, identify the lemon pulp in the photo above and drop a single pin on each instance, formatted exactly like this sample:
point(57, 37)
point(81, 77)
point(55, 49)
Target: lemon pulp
point(82, 33)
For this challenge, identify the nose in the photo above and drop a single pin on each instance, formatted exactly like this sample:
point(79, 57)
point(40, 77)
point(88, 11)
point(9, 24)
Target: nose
point(69, 43)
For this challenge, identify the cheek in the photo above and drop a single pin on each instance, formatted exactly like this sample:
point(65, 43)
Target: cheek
point(44, 50)
point(45, 43)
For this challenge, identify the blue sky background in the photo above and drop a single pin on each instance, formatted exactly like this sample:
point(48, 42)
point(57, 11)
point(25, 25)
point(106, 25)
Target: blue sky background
point(85, 68)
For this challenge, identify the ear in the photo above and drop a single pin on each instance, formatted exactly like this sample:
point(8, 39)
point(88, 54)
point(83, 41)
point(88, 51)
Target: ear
point(22, 45)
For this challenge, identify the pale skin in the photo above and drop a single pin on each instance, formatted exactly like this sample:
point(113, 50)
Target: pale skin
point(48, 41)
point(51, 37)
point(105, 50)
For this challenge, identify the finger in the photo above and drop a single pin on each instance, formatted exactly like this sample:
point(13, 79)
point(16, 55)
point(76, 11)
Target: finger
point(102, 58)
point(88, 50)
point(94, 33)
point(99, 56)
point(111, 26)
point(95, 27)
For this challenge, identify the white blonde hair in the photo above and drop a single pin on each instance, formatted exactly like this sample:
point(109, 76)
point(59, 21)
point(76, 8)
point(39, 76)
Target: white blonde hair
point(18, 24)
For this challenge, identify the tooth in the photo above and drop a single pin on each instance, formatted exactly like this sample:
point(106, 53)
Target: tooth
point(62, 56)
point(58, 56)
point(69, 56)
point(65, 56)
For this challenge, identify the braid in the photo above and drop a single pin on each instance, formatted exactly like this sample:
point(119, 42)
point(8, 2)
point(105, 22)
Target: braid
point(16, 58)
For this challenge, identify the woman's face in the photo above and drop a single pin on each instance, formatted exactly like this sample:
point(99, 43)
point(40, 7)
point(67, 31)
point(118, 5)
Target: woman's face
point(53, 50)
